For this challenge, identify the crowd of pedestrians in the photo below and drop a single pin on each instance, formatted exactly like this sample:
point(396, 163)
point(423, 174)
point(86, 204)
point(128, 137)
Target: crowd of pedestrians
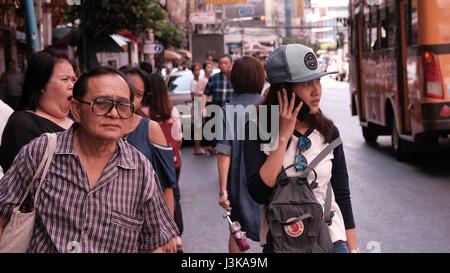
point(113, 181)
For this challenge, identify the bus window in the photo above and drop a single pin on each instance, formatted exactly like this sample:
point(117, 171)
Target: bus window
point(374, 38)
point(413, 24)
point(390, 23)
point(353, 28)
point(367, 32)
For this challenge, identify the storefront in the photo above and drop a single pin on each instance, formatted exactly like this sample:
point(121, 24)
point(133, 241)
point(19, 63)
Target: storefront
point(12, 33)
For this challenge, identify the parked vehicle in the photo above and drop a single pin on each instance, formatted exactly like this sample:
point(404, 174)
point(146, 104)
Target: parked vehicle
point(179, 85)
point(336, 65)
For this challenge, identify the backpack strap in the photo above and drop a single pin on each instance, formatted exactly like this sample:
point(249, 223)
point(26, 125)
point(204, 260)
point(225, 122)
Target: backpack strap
point(322, 155)
point(327, 214)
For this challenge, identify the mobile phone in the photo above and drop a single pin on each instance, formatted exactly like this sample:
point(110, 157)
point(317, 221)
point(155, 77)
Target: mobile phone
point(304, 111)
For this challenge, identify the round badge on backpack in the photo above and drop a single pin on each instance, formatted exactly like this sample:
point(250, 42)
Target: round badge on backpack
point(311, 61)
point(296, 229)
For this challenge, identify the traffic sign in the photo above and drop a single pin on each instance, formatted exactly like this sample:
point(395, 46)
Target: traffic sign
point(153, 48)
point(203, 17)
point(243, 12)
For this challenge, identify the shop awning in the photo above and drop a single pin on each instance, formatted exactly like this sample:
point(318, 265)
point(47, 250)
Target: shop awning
point(185, 53)
point(171, 55)
point(103, 43)
point(120, 40)
point(225, 2)
point(128, 34)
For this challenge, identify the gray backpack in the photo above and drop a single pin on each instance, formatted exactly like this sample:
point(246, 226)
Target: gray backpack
point(296, 219)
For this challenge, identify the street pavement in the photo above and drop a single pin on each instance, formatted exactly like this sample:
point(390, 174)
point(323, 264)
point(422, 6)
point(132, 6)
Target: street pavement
point(398, 206)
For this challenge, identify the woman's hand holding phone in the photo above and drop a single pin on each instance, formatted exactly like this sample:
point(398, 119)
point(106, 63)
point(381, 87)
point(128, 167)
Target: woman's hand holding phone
point(288, 114)
point(304, 110)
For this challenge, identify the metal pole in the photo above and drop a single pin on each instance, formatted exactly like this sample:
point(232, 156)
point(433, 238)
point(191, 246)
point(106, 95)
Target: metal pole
point(47, 25)
point(83, 37)
point(288, 23)
point(190, 37)
point(224, 17)
point(188, 22)
point(31, 25)
point(276, 26)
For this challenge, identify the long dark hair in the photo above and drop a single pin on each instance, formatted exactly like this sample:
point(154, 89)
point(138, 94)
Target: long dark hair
point(159, 102)
point(317, 120)
point(38, 74)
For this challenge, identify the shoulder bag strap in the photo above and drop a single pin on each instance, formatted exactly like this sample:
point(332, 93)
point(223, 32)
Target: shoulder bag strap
point(51, 147)
point(38, 171)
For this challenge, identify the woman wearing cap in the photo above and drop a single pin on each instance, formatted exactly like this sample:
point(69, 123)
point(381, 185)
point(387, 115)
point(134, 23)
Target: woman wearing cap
point(292, 71)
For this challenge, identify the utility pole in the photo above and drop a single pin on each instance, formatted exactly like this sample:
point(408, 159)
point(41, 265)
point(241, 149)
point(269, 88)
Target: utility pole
point(224, 17)
point(288, 16)
point(32, 30)
point(83, 37)
point(47, 24)
point(189, 7)
point(276, 25)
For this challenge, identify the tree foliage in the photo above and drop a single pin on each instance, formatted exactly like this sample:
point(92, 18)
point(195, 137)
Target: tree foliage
point(104, 17)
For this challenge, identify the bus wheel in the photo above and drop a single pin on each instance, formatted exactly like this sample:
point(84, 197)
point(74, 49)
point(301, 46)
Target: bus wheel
point(369, 134)
point(398, 144)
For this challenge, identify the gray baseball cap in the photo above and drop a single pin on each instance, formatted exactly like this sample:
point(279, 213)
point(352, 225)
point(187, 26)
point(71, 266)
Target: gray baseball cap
point(293, 63)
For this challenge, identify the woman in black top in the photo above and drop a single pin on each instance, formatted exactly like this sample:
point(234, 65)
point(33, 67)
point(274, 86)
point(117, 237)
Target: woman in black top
point(293, 72)
point(247, 78)
point(44, 105)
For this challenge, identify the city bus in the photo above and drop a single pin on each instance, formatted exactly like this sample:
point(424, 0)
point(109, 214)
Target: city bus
point(400, 71)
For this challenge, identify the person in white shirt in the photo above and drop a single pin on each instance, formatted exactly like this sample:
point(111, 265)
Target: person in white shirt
point(5, 112)
point(196, 68)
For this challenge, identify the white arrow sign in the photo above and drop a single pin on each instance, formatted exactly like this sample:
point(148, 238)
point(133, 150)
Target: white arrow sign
point(153, 48)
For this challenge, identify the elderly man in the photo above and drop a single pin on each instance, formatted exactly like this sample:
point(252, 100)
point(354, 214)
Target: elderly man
point(100, 194)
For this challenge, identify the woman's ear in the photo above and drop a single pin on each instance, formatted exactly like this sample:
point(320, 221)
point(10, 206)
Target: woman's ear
point(75, 109)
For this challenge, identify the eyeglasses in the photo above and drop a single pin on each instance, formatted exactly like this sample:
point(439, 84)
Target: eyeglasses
point(300, 162)
point(102, 106)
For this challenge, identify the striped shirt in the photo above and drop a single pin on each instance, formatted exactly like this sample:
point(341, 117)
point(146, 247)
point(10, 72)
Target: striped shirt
point(124, 212)
point(219, 87)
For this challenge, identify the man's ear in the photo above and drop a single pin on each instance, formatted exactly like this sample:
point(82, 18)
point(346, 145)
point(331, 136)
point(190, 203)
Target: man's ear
point(75, 109)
